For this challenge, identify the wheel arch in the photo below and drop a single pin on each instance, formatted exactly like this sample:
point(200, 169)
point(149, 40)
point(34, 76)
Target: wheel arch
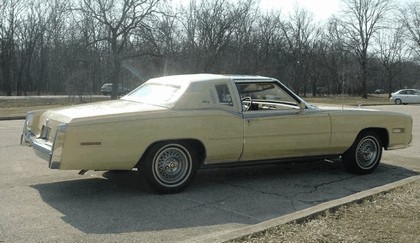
point(381, 132)
point(190, 142)
point(365, 154)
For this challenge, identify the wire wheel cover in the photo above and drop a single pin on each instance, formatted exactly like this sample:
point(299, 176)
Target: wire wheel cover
point(172, 165)
point(367, 152)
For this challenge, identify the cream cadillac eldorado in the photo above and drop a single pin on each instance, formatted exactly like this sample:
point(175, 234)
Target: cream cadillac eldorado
point(171, 126)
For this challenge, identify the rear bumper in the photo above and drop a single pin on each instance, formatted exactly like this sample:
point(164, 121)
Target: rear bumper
point(50, 152)
point(41, 148)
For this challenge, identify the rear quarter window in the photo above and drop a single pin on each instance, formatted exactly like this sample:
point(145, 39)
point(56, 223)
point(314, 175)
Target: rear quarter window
point(223, 95)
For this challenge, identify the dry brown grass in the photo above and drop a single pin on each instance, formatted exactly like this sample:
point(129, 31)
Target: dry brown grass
point(19, 106)
point(390, 217)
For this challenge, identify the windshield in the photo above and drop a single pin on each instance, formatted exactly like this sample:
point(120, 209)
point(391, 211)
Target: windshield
point(155, 94)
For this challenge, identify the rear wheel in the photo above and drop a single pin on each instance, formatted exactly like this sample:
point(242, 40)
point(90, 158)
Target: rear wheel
point(364, 155)
point(169, 167)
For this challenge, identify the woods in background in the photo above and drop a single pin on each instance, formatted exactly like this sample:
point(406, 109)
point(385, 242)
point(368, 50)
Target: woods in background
point(73, 47)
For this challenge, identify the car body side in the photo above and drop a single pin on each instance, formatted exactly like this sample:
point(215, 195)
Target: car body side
point(223, 133)
point(405, 96)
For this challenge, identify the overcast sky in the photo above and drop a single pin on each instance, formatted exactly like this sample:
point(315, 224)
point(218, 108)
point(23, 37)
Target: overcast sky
point(321, 9)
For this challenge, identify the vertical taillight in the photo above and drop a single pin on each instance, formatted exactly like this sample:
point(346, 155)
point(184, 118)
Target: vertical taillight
point(58, 147)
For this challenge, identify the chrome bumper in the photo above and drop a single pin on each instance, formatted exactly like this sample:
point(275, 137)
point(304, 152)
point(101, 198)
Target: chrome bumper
point(44, 149)
point(40, 146)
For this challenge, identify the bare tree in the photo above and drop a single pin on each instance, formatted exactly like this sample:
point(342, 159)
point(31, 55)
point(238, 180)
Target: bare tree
point(410, 19)
point(56, 46)
point(210, 27)
point(261, 41)
point(339, 59)
point(8, 25)
point(29, 38)
point(53, 46)
point(300, 33)
point(360, 20)
point(162, 41)
point(390, 51)
point(120, 19)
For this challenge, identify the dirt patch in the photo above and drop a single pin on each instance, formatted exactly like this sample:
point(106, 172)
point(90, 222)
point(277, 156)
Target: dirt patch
point(390, 217)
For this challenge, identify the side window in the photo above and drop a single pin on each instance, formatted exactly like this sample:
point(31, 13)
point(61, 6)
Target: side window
point(263, 96)
point(223, 94)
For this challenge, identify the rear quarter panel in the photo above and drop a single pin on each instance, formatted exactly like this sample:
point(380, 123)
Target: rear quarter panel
point(123, 140)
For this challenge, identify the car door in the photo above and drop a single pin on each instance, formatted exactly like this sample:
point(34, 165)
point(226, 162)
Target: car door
point(416, 96)
point(284, 132)
point(404, 96)
point(410, 97)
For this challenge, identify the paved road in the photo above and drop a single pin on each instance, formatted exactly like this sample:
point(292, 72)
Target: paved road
point(42, 205)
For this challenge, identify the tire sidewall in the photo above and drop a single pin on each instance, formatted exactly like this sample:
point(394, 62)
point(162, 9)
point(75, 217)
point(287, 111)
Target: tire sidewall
point(148, 167)
point(350, 157)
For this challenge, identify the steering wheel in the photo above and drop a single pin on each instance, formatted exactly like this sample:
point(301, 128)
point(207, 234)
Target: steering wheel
point(246, 103)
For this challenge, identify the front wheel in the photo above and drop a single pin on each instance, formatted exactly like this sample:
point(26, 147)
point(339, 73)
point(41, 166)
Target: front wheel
point(398, 101)
point(364, 155)
point(169, 167)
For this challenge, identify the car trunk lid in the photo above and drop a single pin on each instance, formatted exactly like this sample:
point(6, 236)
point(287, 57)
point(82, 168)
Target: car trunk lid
point(97, 110)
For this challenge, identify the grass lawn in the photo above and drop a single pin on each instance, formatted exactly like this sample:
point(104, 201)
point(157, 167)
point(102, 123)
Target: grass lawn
point(18, 106)
point(390, 217)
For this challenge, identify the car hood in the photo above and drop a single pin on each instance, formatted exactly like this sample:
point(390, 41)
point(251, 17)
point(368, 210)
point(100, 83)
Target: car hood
point(114, 108)
point(357, 110)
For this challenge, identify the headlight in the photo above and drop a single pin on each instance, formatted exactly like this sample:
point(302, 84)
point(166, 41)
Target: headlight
point(58, 146)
